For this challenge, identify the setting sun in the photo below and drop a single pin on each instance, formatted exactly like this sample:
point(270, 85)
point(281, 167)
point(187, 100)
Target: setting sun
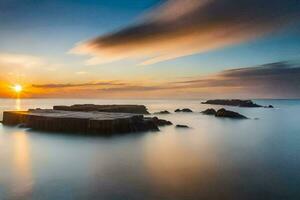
point(17, 88)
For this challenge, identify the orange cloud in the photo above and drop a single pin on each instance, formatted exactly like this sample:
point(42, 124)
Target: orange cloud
point(275, 80)
point(184, 27)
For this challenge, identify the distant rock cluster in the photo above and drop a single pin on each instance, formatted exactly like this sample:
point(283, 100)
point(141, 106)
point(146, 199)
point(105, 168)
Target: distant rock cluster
point(235, 102)
point(223, 113)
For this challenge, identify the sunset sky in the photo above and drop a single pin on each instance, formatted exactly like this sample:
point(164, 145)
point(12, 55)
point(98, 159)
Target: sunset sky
point(150, 48)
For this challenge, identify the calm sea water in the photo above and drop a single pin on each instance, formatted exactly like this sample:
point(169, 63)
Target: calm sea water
point(215, 159)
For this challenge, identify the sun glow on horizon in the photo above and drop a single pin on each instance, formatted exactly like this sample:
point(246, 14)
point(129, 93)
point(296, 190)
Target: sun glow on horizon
point(17, 88)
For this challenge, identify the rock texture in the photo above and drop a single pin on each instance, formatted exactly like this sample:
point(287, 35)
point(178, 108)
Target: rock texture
point(223, 113)
point(183, 110)
point(136, 109)
point(182, 126)
point(233, 102)
point(162, 112)
point(84, 122)
point(209, 111)
point(229, 114)
point(160, 122)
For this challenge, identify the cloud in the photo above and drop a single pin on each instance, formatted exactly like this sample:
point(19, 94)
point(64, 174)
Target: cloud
point(72, 85)
point(133, 88)
point(23, 60)
point(183, 27)
point(274, 80)
point(81, 72)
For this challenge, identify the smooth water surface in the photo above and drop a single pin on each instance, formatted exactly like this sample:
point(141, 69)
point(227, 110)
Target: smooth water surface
point(215, 159)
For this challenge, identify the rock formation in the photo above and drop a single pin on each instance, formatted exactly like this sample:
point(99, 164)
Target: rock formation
point(136, 109)
point(182, 126)
point(229, 114)
point(183, 110)
point(209, 111)
point(162, 112)
point(233, 102)
point(101, 123)
point(160, 122)
point(223, 113)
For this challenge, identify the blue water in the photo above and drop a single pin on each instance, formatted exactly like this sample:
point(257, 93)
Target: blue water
point(215, 159)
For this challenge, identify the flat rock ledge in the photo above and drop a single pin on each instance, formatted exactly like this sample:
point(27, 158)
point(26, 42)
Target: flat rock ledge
point(136, 109)
point(100, 123)
point(223, 113)
point(235, 102)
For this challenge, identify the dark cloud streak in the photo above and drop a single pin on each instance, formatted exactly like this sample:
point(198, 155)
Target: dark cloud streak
point(279, 80)
point(184, 27)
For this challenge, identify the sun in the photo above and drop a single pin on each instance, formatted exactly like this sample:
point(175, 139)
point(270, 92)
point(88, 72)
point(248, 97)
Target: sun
point(17, 88)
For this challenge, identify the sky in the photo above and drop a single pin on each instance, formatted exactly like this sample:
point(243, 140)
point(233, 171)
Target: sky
point(150, 48)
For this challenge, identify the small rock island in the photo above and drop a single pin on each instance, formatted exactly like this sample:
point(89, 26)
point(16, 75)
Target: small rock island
point(182, 126)
point(223, 113)
point(186, 110)
point(235, 102)
point(86, 120)
point(164, 112)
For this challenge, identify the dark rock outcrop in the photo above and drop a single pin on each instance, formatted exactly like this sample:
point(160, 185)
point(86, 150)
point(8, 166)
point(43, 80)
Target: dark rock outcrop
point(100, 123)
point(159, 122)
point(162, 112)
point(183, 110)
point(182, 126)
point(209, 111)
point(229, 114)
point(233, 102)
point(136, 109)
point(223, 113)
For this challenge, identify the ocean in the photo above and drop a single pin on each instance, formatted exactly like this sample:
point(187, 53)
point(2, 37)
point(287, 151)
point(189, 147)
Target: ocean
point(214, 159)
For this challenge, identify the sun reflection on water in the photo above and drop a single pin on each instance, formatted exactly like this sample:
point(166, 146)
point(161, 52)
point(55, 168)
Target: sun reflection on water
point(18, 104)
point(22, 183)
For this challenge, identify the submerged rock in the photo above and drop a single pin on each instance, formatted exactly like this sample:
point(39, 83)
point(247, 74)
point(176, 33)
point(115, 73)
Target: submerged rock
point(229, 114)
point(209, 111)
point(233, 102)
point(136, 109)
point(183, 110)
point(162, 112)
point(182, 126)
